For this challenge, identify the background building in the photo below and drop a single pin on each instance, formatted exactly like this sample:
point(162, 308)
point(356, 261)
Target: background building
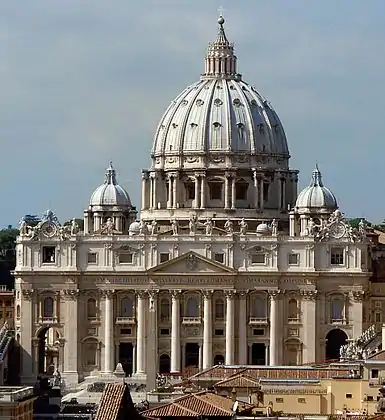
point(227, 264)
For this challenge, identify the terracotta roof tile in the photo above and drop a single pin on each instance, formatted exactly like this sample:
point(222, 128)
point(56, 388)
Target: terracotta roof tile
point(378, 356)
point(110, 402)
point(199, 404)
point(239, 380)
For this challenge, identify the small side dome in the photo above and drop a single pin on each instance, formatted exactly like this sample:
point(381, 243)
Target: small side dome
point(316, 197)
point(110, 194)
point(263, 229)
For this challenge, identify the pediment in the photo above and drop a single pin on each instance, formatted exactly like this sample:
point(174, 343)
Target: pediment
point(191, 262)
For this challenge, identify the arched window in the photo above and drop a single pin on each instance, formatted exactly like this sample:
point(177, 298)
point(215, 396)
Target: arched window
point(219, 309)
point(164, 310)
point(126, 307)
point(258, 307)
point(337, 309)
point(292, 309)
point(192, 307)
point(91, 308)
point(18, 311)
point(48, 307)
point(219, 360)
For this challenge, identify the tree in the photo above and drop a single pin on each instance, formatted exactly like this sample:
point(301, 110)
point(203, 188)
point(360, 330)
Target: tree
point(355, 222)
point(80, 223)
point(8, 255)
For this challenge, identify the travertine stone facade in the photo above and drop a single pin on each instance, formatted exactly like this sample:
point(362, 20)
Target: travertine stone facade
point(224, 265)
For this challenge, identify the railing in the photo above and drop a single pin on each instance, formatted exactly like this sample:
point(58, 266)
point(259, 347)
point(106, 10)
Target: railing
point(125, 320)
point(293, 320)
point(194, 320)
point(257, 321)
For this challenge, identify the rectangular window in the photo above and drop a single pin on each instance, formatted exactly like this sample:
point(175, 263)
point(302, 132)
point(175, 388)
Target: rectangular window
point(125, 331)
point(377, 317)
point(369, 398)
point(163, 257)
point(241, 191)
point(164, 331)
point(258, 258)
point(49, 254)
point(190, 190)
point(215, 190)
point(293, 259)
point(374, 373)
point(265, 192)
point(91, 258)
point(258, 331)
point(279, 400)
point(302, 400)
point(126, 258)
point(218, 332)
point(337, 256)
point(348, 396)
point(219, 257)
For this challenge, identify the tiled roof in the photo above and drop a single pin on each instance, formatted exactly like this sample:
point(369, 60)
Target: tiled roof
point(378, 356)
point(114, 395)
point(224, 372)
point(199, 404)
point(239, 380)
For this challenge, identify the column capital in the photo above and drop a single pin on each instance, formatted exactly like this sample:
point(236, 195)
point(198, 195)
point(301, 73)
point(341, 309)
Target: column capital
point(243, 293)
point(230, 294)
point(27, 293)
point(145, 175)
point(175, 294)
point(358, 295)
point(141, 294)
point(207, 294)
point(274, 294)
point(309, 294)
point(70, 294)
point(107, 293)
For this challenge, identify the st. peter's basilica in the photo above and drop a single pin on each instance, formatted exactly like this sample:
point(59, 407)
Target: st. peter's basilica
point(227, 262)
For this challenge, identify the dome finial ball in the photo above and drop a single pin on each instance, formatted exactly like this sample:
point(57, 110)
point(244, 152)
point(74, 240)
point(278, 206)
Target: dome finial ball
point(221, 20)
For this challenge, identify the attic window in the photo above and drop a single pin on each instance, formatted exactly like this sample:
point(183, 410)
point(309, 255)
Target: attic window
point(258, 258)
point(126, 258)
point(164, 257)
point(216, 124)
point(49, 254)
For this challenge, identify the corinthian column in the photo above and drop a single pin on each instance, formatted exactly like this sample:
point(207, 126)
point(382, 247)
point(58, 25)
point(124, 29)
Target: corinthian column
point(140, 334)
point(309, 325)
point(230, 337)
point(274, 334)
point(207, 329)
point(108, 331)
point(242, 329)
point(175, 331)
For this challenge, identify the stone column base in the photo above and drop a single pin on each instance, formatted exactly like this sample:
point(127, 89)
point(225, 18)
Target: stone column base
point(70, 379)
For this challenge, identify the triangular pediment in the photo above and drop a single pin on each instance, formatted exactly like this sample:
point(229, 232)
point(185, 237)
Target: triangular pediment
point(191, 262)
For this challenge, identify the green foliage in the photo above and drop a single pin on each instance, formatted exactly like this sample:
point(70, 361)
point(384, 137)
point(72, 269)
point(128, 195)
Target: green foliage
point(7, 243)
point(355, 222)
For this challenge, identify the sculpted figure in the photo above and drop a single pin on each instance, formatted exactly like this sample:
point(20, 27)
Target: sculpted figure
point(174, 226)
point(74, 227)
point(274, 227)
point(209, 226)
point(109, 226)
point(229, 226)
point(193, 225)
point(23, 228)
point(311, 227)
point(142, 227)
point(242, 227)
point(154, 227)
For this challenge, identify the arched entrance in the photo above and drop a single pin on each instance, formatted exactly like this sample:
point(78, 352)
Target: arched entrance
point(219, 360)
point(334, 340)
point(164, 363)
point(192, 355)
point(48, 350)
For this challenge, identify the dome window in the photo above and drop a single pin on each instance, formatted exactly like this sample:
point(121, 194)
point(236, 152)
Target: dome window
point(174, 125)
point(253, 102)
point(218, 102)
point(199, 102)
point(193, 125)
point(219, 86)
point(236, 102)
point(240, 125)
point(217, 124)
point(232, 87)
point(184, 102)
point(244, 88)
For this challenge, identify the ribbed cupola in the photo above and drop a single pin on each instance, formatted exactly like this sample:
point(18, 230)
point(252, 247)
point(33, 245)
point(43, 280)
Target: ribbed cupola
point(220, 59)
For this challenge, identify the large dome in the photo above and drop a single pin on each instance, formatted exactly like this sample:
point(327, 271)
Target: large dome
point(220, 114)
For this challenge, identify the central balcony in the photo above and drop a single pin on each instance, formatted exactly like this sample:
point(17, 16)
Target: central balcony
point(125, 320)
point(258, 321)
point(191, 320)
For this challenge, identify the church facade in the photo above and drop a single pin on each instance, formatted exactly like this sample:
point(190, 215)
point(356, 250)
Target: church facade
point(226, 264)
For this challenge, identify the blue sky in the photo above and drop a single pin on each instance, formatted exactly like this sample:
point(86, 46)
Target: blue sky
point(85, 82)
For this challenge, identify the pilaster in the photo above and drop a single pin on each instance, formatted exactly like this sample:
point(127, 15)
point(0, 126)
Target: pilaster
point(175, 331)
point(242, 328)
point(309, 329)
point(207, 329)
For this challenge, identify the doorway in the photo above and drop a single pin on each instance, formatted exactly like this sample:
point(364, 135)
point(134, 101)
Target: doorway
point(192, 355)
point(219, 360)
point(258, 354)
point(334, 340)
point(164, 363)
point(47, 350)
point(126, 352)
